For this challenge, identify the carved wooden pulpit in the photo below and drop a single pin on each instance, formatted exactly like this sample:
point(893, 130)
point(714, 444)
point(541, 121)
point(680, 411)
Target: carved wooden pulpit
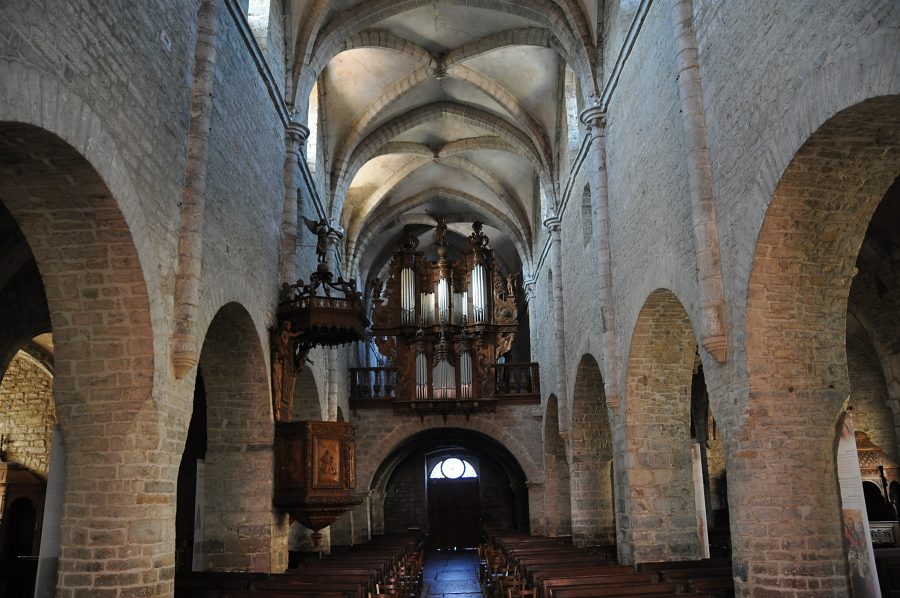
point(315, 471)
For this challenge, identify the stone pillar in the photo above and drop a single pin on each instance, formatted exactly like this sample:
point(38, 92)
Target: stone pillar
point(376, 512)
point(48, 558)
point(360, 518)
point(783, 496)
point(296, 135)
point(342, 530)
point(703, 201)
point(185, 353)
point(595, 119)
point(118, 522)
point(553, 225)
point(537, 513)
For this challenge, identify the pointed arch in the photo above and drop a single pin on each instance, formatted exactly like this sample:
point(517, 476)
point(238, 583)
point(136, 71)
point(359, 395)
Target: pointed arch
point(376, 109)
point(417, 116)
point(358, 18)
point(378, 218)
point(657, 512)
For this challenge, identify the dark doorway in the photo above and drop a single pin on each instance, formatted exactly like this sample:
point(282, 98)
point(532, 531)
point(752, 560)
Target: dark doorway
point(454, 518)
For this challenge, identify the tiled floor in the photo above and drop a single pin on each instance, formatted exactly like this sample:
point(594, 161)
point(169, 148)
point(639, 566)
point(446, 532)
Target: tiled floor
point(451, 574)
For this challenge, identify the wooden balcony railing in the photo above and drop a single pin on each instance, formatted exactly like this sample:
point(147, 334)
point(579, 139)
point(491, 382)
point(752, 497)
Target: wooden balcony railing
point(373, 383)
point(515, 381)
point(506, 383)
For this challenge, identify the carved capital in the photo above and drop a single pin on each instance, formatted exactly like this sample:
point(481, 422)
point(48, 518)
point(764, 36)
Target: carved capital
point(183, 361)
point(595, 119)
point(553, 223)
point(296, 134)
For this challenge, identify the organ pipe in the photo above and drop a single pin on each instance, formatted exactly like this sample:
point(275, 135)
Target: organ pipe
point(407, 296)
point(444, 300)
point(479, 295)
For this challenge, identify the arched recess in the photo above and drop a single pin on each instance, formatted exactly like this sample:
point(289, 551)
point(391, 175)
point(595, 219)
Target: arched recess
point(592, 494)
point(869, 397)
point(242, 531)
point(557, 490)
point(98, 303)
point(307, 402)
point(796, 348)
point(656, 505)
point(399, 480)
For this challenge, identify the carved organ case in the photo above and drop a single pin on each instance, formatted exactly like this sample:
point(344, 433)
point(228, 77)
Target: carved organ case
point(444, 324)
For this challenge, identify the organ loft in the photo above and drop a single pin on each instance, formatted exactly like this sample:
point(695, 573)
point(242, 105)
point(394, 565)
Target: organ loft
point(501, 298)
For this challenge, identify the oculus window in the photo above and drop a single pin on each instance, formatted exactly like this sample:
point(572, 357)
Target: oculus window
point(452, 469)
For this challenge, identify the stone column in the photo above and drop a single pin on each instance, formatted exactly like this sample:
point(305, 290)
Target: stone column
point(595, 119)
point(342, 530)
point(48, 559)
point(537, 513)
point(783, 496)
point(703, 201)
point(361, 523)
point(376, 511)
point(185, 353)
point(559, 333)
point(296, 135)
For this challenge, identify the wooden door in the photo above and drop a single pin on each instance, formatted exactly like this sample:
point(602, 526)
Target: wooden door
point(453, 513)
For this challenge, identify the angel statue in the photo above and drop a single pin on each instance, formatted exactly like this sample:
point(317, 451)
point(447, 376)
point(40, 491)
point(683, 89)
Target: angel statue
point(326, 235)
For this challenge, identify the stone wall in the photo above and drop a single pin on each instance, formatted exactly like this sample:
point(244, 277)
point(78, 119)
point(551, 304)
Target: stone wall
point(27, 413)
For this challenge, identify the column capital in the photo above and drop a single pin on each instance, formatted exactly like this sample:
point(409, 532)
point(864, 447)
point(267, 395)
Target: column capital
point(553, 223)
point(593, 116)
point(296, 132)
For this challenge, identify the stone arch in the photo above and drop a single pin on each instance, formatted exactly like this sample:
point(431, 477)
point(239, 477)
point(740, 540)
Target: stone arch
point(308, 404)
point(527, 36)
point(468, 440)
point(796, 336)
point(27, 410)
point(396, 91)
point(592, 494)
point(321, 47)
point(239, 460)
point(656, 503)
point(499, 194)
point(379, 38)
point(368, 146)
point(557, 491)
point(482, 210)
point(869, 398)
point(43, 101)
point(79, 230)
point(380, 446)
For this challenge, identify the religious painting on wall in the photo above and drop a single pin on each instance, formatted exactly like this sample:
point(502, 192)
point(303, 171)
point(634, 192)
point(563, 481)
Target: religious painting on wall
point(857, 539)
point(327, 457)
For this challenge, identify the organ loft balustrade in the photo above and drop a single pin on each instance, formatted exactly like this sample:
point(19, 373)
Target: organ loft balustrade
point(443, 329)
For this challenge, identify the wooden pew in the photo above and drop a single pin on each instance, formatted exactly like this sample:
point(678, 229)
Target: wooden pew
point(575, 581)
point(601, 590)
point(656, 566)
point(211, 584)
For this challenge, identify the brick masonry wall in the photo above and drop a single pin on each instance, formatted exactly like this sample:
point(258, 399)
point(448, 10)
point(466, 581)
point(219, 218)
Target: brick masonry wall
point(27, 413)
point(593, 514)
point(872, 412)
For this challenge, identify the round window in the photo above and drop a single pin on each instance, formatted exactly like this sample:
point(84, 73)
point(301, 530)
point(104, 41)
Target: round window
point(452, 468)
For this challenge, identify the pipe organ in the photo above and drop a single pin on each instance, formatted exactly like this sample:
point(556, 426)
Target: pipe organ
point(444, 324)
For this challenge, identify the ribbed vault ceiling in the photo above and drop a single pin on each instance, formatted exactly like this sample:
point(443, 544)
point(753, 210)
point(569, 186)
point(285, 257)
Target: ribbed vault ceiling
point(449, 108)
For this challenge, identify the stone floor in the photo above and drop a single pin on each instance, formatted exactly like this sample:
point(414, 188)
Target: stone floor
point(451, 574)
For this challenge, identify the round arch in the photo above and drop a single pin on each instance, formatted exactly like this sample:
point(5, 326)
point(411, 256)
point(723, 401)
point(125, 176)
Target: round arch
point(796, 350)
point(558, 504)
point(654, 472)
point(239, 459)
point(493, 456)
point(592, 496)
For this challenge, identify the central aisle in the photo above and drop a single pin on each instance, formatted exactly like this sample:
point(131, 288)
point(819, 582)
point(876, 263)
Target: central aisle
point(453, 574)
